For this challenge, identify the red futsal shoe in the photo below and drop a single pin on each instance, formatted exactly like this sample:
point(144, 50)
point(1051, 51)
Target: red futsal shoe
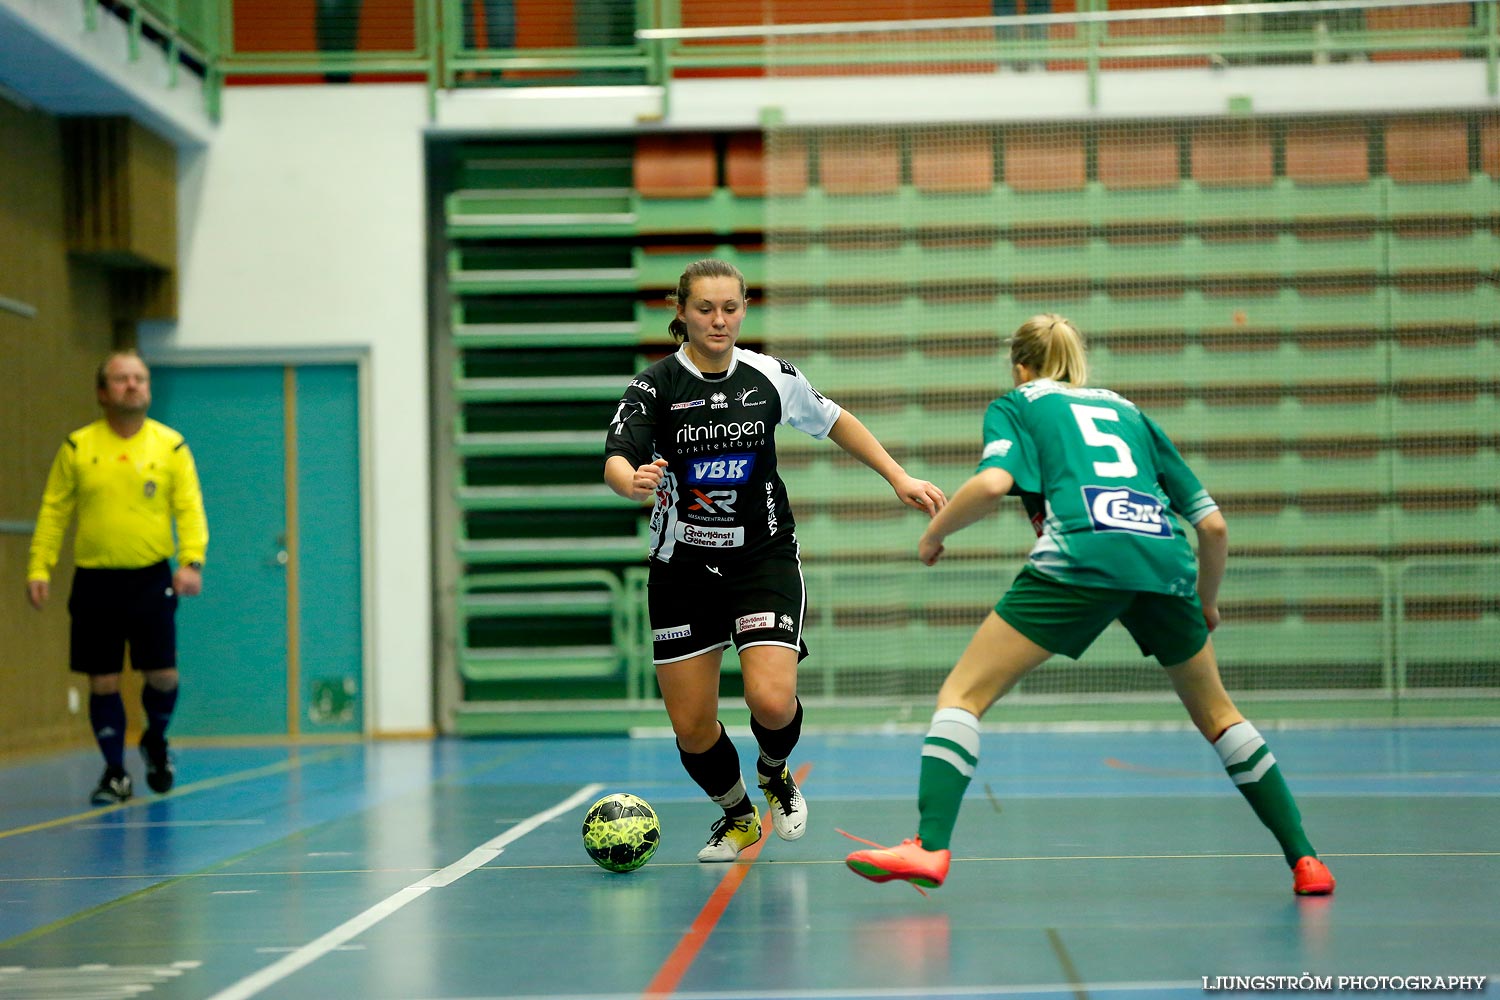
point(1311, 877)
point(909, 861)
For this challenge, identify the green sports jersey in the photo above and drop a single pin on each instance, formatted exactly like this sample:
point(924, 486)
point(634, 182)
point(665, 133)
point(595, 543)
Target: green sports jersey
point(1111, 487)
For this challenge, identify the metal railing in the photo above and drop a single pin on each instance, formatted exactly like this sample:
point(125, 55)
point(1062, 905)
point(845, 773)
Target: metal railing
point(455, 43)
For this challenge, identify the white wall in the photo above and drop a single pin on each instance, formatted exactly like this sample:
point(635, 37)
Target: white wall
point(730, 103)
point(301, 228)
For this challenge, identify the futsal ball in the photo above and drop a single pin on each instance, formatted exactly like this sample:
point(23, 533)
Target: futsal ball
point(621, 832)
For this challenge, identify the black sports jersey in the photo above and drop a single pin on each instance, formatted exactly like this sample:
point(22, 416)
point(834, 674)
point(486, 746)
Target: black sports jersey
point(720, 496)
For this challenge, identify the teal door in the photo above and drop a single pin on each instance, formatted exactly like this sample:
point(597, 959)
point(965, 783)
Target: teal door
point(274, 644)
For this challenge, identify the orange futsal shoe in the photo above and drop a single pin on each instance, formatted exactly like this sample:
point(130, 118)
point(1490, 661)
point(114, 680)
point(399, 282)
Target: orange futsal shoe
point(1311, 877)
point(909, 861)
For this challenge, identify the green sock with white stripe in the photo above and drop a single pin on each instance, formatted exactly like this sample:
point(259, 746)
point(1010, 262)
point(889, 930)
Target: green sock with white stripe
point(949, 755)
point(1250, 765)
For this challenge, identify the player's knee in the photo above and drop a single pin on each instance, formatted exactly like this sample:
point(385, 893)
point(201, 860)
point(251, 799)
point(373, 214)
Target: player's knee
point(696, 735)
point(162, 680)
point(104, 684)
point(774, 706)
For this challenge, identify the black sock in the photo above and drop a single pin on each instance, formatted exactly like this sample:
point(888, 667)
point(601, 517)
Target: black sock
point(158, 706)
point(717, 772)
point(776, 745)
point(107, 716)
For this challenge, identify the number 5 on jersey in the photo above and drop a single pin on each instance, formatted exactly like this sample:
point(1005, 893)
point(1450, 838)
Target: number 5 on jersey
point(1088, 417)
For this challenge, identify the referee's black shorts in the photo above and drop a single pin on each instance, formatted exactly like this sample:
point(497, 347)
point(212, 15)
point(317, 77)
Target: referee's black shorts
point(115, 607)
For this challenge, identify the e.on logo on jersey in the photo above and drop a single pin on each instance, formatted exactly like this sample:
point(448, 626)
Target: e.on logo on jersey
point(1116, 508)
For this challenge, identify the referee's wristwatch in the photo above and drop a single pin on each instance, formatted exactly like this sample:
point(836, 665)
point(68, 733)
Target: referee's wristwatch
point(195, 564)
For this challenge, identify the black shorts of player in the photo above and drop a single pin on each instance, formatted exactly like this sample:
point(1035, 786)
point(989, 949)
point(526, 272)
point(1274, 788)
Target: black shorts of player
point(112, 608)
point(696, 608)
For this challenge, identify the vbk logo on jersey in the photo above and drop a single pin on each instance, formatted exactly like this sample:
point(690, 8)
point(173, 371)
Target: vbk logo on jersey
point(1116, 508)
point(721, 469)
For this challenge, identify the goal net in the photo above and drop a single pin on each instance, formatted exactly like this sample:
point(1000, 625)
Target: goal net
point(1306, 303)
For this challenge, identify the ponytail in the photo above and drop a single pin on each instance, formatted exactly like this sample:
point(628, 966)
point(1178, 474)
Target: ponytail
point(1052, 347)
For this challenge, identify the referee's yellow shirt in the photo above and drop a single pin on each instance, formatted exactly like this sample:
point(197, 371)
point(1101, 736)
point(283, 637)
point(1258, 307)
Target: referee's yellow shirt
point(127, 492)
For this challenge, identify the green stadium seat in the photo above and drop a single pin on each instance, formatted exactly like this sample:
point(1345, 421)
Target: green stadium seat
point(654, 270)
point(1440, 356)
point(539, 212)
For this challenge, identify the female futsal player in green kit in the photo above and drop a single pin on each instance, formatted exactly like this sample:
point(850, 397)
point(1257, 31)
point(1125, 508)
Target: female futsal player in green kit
point(1105, 489)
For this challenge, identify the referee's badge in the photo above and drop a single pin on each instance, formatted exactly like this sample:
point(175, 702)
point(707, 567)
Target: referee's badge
point(150, 488)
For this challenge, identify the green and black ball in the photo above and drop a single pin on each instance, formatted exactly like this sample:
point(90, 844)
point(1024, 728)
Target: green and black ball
point(621, 832)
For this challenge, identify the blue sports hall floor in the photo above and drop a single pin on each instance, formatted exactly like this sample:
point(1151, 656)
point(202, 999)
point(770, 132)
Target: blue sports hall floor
point(1087, 864)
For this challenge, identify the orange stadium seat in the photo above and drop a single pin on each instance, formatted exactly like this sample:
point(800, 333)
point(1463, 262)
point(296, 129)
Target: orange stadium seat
point(1130, 159)
point(944, 163)
point(1327, 153)
point(1415, 18)
point(1052, 162)
point(1489, 146)
point(675, 166)
point(1427, 150)
point(1232, 154)
point(860, 163)
point(745, 164)
point(787, 166)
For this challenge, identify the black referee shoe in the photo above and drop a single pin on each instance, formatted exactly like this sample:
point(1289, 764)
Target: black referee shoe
point(114, 787)
point(159, 770)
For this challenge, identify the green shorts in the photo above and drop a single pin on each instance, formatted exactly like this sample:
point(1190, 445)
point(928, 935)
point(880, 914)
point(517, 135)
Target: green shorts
point(1063, 618)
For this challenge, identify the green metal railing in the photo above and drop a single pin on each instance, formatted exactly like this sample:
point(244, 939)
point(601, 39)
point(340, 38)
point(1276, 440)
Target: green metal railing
point(648, 43)
point(188, 31)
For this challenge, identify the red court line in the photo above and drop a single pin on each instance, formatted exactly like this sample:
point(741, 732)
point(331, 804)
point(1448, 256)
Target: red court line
point(675, 967)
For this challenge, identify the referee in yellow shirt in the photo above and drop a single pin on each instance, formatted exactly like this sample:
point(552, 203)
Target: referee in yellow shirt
point(129, 479)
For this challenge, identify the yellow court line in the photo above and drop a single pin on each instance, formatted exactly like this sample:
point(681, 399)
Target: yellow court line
point(295, 761)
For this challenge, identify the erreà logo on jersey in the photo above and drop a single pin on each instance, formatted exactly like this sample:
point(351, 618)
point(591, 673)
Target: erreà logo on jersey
point(721, 469)
point(1116, 508)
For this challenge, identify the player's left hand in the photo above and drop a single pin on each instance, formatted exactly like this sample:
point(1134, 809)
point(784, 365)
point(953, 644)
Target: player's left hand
point(188, 582)
point(921, 494)
point(929, 549)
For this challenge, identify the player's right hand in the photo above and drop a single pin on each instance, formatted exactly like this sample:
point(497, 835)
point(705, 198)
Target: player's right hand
point(37, 592)
point(646, 479)
point(1211, 617)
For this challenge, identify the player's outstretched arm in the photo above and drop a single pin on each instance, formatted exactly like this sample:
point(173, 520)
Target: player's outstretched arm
point(855, 438)
point(975, 499)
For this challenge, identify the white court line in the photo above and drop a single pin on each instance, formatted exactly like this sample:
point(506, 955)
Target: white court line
point(340, 935)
